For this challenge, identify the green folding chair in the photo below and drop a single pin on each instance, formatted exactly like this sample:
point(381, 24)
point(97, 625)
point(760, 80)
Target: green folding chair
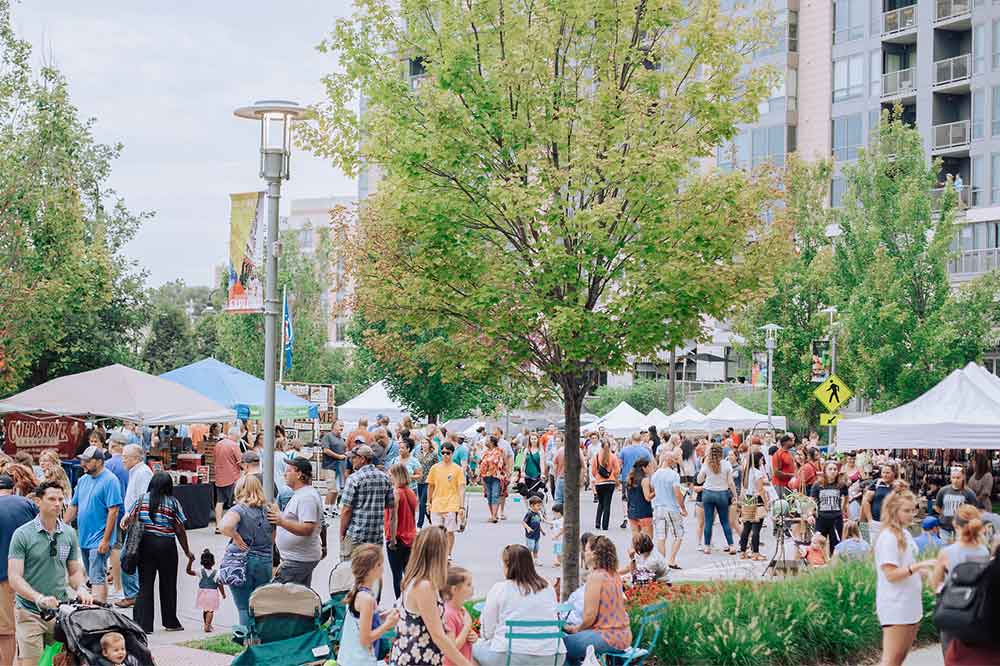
point(555, 633)
point(636, 655)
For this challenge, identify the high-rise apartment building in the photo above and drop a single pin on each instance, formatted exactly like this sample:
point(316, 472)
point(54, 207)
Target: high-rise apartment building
point(307, 216)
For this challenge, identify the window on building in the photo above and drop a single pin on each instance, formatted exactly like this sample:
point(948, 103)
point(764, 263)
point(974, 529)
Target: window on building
point(848, 20)
point(848, 77)
point(734, 154)
point(995, 178)
point(995, 36)
point(874, 118)
point(793, 31)
point(838, 186)
point(995, 112)
point(847, 137)
point(979, 49)
point(976, 176)
point(768, 145)
point(978, 114)
point(875, 69)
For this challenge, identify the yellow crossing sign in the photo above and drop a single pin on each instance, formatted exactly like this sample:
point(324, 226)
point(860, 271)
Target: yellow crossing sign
point(829, 419)
point(833, 393)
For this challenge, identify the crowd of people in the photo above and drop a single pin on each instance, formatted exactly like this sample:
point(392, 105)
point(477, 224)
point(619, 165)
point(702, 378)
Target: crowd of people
point(398, 494)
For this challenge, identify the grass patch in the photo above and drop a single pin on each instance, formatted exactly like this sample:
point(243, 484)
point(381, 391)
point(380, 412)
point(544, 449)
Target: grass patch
point(222, 644)
point(825, 616)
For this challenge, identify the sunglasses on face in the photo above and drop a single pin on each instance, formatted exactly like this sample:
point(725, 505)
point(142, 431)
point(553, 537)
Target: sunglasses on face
point(447, 453)
point(52, 547)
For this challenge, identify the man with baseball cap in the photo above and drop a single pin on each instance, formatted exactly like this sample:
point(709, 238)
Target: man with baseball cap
point(98, 502)
point(366, 495)
point(930, 536)
point(298, 527)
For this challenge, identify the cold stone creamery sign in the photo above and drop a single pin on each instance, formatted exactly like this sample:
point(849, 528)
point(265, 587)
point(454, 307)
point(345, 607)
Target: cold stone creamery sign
point(28, 433)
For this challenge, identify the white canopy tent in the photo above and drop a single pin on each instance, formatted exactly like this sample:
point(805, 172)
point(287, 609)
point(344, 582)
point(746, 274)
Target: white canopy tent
point(727, 414)
point(961, 412)
point(119, 392)
point(686, 414)
point(657, 418)
point(370, 403)
point(622, 421)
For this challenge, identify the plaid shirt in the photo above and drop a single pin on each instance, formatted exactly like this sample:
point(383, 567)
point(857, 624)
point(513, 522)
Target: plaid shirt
point(369, 493)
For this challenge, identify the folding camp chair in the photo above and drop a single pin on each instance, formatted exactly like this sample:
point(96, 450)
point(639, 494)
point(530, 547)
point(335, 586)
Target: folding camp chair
point(548, 630)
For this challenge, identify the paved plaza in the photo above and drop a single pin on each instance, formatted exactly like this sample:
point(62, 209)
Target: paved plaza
point(477, 549)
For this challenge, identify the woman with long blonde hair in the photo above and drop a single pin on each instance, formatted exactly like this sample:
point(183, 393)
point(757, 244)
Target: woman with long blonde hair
point(898, 590)
point(718, 492)
point(421, 637)
point(250, 532)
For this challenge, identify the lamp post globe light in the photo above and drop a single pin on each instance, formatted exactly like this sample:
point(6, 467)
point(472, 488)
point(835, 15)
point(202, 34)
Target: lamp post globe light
point(275, 117)
point(770, 342)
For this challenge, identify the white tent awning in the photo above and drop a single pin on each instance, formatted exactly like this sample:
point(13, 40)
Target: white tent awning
point(622, 421)
point(658, 419)
point(685, 418)
point(961, 412)
point(370, 403)
point(728, 414)
point(119, 392)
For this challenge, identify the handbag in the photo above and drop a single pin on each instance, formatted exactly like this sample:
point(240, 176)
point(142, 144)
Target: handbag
point(233, 568)
point(130, 547)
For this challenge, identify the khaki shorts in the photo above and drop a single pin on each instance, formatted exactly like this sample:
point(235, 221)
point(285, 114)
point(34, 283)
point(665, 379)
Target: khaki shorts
point(6, 609)
point(448, 520)
point(32, 634)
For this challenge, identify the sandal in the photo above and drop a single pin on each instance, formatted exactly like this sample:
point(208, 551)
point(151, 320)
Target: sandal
point(744, 555)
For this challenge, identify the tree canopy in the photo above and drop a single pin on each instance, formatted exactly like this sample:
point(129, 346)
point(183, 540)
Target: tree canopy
point(540, 199)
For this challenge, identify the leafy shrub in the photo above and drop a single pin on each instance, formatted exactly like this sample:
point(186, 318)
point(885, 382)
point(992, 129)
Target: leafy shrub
point(824, 616)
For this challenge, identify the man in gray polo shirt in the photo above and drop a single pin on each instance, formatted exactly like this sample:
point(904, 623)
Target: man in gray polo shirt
point(43, 553)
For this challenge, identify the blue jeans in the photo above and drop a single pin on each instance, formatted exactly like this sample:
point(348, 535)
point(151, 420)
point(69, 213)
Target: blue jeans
point(422, 501)
point(576, 645)
point(95, 564)
point(258, 573)
point(130, 584)
point(491, 486)
point(716, 501)
point(560, 492)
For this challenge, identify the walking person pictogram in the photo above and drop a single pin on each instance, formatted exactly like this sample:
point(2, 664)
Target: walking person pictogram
point(834, 390)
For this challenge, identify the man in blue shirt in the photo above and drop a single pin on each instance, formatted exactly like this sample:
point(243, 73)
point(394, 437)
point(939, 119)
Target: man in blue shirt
point(97, 501)
point(14, 512)
point(929, 537)
point(628, 456)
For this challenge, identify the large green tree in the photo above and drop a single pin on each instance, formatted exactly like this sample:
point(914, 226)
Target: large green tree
point(541, 203)
point(905, 326)
point(70, 300)
point(170, 343)
point(803, 286)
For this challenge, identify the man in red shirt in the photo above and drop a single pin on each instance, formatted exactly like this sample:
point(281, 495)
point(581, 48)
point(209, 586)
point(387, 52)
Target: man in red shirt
point(783, 464)
point(227, 472)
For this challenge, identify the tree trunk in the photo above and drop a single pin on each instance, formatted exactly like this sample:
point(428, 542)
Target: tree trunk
point(574, 389)
point(672, 396)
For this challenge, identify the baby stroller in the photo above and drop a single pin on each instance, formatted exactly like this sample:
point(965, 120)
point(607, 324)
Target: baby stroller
point(339, 584)
point(285, 628)
point(80, 628)
point(526, 488)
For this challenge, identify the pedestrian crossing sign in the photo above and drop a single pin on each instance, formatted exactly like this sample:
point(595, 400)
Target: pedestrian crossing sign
point(833, 393)
point(829, 419)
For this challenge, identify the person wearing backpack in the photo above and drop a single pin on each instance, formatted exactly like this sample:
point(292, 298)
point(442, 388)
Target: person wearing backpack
point(968, 547)
point(978, 645)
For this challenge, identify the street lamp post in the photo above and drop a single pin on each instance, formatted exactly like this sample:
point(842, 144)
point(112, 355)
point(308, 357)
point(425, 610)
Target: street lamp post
point(275, 117)
point(832, 311)
point(770, 342)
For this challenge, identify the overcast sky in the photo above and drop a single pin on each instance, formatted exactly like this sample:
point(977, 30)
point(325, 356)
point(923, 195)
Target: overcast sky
point(164, 78)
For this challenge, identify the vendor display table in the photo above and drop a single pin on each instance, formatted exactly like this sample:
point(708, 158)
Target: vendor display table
point(198, 502)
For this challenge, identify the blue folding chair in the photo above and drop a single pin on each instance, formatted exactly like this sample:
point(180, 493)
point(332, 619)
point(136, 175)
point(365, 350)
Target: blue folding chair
point(554, 633)
point(636, 655)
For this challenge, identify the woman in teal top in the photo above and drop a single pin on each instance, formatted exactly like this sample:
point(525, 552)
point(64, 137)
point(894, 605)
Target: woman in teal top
point(534, 461)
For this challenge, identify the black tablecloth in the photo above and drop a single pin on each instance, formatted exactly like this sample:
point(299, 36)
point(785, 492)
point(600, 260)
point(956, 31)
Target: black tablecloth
point(197, 501)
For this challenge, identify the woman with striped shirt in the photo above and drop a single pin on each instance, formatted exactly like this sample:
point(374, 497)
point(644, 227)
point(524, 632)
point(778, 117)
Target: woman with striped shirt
point(162, 521)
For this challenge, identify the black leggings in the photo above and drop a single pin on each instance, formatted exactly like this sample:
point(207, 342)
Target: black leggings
point(398, 558)
point(604, 493)
point(748, 529)
point(831, 528)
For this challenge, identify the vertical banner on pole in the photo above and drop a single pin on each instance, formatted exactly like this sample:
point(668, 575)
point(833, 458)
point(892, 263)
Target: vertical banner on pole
point(245, 289)
point(821, 364)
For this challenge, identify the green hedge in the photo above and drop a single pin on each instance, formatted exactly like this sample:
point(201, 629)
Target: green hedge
point(824, 616)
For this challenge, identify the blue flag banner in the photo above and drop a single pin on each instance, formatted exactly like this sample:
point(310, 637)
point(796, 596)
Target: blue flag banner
point(287, 333)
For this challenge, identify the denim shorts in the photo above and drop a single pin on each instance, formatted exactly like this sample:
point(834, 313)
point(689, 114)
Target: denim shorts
point(491, 486)
point(95, 564)
point(532, 545)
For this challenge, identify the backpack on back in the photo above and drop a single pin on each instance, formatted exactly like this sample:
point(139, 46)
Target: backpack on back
point(961, 608)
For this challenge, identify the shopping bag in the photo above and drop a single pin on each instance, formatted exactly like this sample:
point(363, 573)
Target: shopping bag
point(49, 654)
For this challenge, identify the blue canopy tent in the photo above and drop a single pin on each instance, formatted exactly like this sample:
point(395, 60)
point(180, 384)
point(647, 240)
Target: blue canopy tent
point(237, 389)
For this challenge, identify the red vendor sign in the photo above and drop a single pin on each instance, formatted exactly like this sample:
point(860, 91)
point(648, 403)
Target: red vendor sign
point(36, 434)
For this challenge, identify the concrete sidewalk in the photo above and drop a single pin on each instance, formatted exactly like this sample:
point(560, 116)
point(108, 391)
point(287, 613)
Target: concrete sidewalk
point(929, 655)
point(176, 655)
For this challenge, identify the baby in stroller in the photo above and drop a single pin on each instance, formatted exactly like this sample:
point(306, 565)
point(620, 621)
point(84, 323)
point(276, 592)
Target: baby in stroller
point(112, 650)
point(95, 636)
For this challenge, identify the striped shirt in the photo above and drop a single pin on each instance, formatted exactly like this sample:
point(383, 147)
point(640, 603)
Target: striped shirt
point(167, 515)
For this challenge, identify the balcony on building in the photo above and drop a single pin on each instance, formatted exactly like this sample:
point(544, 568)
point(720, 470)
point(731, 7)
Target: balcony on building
point(959, 171)
point(976, 250)
point(899, 22)
point(899, 78)
point(953, 14)
point(952, 125)
point(952, 61)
